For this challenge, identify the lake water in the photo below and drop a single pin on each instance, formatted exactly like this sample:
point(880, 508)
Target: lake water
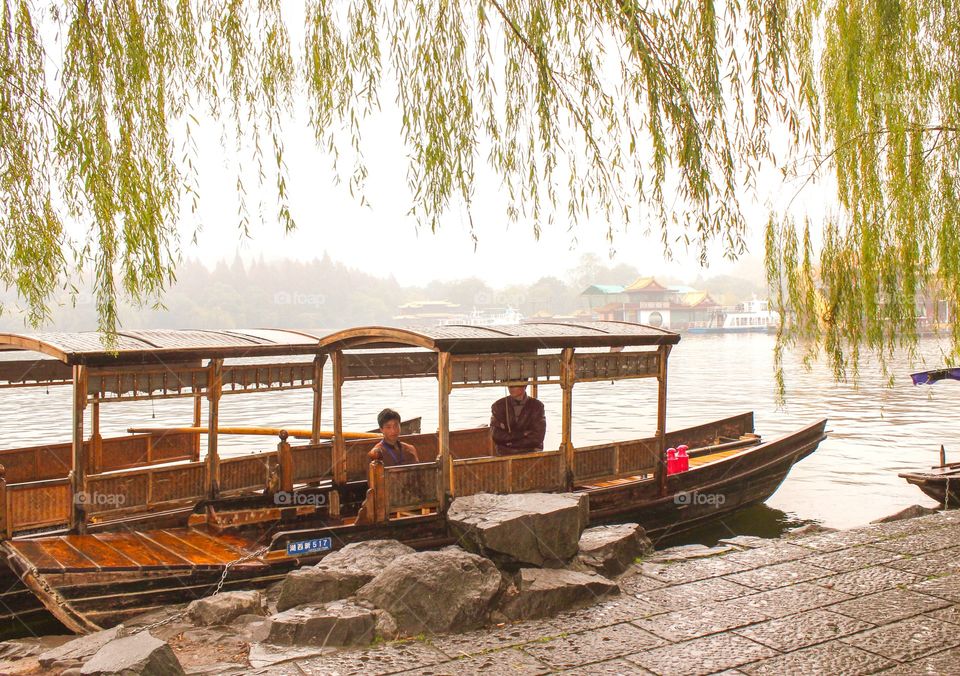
point(875, 431)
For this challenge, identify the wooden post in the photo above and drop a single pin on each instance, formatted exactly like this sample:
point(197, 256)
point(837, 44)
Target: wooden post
point(445, 483)
point(214, 386)
point(79, 474)
point(339, 443)
point(96, 441)
point(318, 363)
point(943, 456)
point(661, 472)
point(533, 389)
point(6, 527)
point(197, 422)
point(567, 379)
point(285, 458)
point(374, 508)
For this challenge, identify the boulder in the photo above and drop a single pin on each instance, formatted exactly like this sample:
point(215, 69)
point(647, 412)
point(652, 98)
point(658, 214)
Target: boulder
point(337, 623)
point(610, 550)
point(543, 592)
point(339, 574)
point(80, 648)
point(140, 654)
point(909, 513)
point(533, 529)
point(224, 607)
point(449, 590)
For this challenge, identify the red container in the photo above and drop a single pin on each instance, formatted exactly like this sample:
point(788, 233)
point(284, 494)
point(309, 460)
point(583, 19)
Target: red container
point(683, 460)
point(672, 466)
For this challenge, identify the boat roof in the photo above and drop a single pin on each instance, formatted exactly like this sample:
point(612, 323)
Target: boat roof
point(468, 339)
point(140, 346)
point(146, 346)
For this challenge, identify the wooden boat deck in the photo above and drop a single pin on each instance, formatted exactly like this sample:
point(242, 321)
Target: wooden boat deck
point(162, 549)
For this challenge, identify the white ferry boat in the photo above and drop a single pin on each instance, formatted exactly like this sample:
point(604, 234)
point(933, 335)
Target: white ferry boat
point(752, 316)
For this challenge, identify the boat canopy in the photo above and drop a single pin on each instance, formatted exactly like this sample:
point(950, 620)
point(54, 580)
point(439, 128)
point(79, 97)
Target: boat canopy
point(466, 339)
point(936, 375)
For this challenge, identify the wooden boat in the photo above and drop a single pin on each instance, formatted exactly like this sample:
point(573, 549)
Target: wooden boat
point(941, 482)
point(100, 529)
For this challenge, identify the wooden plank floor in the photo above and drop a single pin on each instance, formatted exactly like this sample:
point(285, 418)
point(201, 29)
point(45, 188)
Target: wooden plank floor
point(131, 551)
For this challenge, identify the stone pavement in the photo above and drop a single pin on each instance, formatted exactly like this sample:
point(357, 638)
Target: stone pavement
point(881, 598)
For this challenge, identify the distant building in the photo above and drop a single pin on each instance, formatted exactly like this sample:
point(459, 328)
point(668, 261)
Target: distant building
point(429, 313)
point(647, 301)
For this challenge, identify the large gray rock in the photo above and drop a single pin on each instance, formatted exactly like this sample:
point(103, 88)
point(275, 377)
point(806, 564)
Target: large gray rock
point(140, 654)
point(224, 607)
point(910, 512)
point(449, 590)
point(610, 550)
point(338, 623)
point(543, 592)
point(339, 574)
point(534, 529)
point(80, 648)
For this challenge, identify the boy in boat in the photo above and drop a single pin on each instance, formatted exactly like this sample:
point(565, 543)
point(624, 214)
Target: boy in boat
point(517, 422)
point(394, 451)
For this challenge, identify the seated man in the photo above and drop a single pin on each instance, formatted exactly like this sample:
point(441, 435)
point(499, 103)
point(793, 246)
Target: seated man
point(394, 451)
point(517, 422)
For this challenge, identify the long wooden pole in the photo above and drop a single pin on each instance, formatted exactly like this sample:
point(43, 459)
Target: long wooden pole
point(661, 471)
point(318, 363)
point(254, 431)
point(339, 445)
point(79, 456)
point(215, 384)
point(567, 378)
point(446, 487)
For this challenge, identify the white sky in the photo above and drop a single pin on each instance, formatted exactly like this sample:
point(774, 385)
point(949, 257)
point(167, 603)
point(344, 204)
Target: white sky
point(383, 240)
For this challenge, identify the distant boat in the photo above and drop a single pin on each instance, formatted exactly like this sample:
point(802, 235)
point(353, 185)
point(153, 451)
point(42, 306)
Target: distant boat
point(942, 483)
point(507, 316)
point(752, 316)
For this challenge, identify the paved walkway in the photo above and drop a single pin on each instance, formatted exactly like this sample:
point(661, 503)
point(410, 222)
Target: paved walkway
point(882, 598)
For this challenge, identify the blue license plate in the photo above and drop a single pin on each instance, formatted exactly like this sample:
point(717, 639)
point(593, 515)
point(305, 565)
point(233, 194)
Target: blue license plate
point(308, 546)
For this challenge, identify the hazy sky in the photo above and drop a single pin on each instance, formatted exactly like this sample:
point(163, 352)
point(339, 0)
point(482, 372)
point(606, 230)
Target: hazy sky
point(382, 239)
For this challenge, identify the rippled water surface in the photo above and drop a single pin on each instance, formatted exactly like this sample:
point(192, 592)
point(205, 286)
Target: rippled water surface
point(875, 431)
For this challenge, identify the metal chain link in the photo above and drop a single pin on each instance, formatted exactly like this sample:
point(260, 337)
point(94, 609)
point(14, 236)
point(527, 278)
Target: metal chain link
point(223, 578)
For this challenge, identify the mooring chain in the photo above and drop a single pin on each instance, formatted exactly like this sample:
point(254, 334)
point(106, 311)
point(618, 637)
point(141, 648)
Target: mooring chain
point(219, 587)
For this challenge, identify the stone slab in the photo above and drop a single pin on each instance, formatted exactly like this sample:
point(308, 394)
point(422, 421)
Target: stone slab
point(597, 645)
point(888, 606)
point(907, 639)
point(682, 625)
point(803, 630)
point(828, 658)
point(868, 580)
point(702, 656)
point(777, 575)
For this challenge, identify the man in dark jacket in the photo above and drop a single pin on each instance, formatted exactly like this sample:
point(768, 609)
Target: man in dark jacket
point(517, 422)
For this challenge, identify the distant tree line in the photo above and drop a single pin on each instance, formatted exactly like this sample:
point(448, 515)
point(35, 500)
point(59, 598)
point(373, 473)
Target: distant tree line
point(319, 294)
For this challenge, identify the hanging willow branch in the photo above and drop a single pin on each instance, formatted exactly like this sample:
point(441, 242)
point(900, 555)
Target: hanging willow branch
point(592, 114)
point(890, 102)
